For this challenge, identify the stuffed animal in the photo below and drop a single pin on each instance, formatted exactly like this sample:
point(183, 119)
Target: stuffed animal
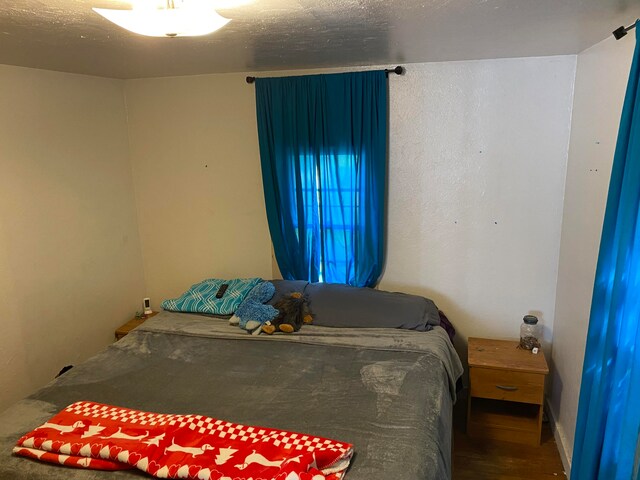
point(252, 312)
point(294, 312)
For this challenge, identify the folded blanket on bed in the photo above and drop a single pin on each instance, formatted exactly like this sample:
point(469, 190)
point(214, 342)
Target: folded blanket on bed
point(98, 436)
point(201, 297)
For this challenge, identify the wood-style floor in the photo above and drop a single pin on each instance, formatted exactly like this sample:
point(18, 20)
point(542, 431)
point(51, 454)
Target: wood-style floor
point(492, 460)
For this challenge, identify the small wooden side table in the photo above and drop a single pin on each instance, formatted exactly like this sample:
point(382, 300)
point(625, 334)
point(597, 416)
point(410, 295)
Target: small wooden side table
point(507, 391)
point(131, 324)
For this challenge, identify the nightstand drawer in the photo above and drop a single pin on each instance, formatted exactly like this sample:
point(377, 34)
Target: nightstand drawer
point(507, 385)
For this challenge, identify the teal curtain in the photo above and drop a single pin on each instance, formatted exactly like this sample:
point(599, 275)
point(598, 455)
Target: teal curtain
point(608, 425)
point(323, 150)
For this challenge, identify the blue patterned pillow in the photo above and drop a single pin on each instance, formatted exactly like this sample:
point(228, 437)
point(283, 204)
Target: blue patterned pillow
point(201, 297)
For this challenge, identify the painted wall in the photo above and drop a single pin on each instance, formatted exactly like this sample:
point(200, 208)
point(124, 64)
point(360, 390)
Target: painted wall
point(478, 154)
point(196, 167)
point(599, 93)
point(70, 261)
point(477, 162)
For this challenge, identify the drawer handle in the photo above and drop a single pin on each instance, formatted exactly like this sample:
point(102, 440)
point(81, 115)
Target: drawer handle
point(508, 388)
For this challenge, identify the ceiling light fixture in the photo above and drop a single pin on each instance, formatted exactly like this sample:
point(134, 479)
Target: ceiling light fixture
point(167, 18)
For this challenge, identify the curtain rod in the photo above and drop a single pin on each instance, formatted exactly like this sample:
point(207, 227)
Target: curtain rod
point(622, 31)
point(398, 71)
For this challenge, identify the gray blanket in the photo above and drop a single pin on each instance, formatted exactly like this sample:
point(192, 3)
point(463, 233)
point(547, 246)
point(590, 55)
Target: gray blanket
point(389, 392)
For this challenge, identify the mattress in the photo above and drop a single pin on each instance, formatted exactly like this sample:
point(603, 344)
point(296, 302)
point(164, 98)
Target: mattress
point(389, 392)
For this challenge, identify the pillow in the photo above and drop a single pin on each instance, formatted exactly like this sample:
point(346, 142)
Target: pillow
point(285, 287)
point(447, 325)
point(336, 305)
point(201, 297)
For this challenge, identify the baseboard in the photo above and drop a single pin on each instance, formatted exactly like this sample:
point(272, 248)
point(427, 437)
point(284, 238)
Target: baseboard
point(561, 441)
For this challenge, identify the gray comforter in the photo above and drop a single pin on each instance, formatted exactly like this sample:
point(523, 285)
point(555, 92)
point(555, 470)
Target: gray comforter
point(389, 392)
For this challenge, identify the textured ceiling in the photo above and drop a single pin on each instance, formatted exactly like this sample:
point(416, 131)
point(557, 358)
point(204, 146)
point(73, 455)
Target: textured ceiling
point(67, 35)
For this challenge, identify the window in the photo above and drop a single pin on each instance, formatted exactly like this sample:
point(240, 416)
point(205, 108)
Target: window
point(330, 196)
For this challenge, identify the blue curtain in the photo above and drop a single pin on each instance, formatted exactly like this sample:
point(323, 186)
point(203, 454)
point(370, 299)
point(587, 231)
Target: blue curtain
point(608, 426)
point(323, 150)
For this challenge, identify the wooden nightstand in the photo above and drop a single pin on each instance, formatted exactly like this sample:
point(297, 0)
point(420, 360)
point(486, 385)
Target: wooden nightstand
point(507, 391)
point(131, 324)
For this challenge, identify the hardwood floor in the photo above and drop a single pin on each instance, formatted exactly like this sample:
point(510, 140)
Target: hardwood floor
point(475, 459)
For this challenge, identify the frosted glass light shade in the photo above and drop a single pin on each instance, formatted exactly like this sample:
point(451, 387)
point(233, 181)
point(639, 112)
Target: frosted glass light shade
point(186, 19)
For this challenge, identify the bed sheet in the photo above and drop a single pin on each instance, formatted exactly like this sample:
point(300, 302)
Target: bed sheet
point(389, 392)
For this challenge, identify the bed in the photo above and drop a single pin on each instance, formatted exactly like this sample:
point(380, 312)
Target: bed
point(389, 392)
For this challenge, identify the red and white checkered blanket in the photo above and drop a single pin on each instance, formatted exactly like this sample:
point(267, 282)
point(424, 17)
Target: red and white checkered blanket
point(93, 435)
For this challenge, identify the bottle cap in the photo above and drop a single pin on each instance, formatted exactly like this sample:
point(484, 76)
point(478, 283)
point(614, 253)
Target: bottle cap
point(530, 319)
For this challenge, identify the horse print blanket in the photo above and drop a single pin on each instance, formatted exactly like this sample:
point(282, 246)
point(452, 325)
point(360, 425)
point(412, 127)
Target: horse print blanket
point(98, 436)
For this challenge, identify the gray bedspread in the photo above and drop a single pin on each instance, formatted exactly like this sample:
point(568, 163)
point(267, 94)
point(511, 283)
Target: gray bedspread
point(389, 392)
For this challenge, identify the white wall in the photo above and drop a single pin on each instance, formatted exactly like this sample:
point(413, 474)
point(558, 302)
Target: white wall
point(470, 142)
point(600, 87)
point(198, 182)
point(478, 154)
point(70, 261)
